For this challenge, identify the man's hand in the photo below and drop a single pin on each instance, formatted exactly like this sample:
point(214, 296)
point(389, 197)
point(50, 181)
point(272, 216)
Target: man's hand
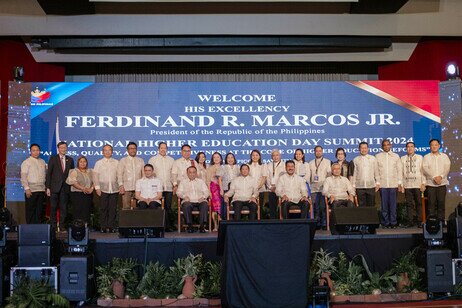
point(48, 192)
point(226, 199)
point(254, 200)
point(122, 190)
point(273, 188)
point(98, 192)
point(201, 200)
point(175, 188)
point(331, 199)
point(437, 179)
point(377, 187)
point(422, 187)
point(28, 193)
point(401, 188)
point(284, 198)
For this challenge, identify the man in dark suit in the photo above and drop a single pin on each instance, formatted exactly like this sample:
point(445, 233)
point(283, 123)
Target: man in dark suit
point(57, 189)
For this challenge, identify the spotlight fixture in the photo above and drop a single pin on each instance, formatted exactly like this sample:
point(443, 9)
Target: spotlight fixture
point(433, 231)
point(78, 237)
point(452, 71)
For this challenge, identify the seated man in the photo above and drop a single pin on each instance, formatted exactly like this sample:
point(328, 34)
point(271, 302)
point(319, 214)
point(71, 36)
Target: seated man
point(148, 189)
point(193, 193)
point(243, 189)
point(338, 189)
point(292, 190)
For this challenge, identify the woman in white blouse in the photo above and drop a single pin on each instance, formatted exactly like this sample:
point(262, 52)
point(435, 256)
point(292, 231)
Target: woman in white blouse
point(227, 172)
point(302, 168)
point(201, 166)
point(258, 172)
point(81, 181)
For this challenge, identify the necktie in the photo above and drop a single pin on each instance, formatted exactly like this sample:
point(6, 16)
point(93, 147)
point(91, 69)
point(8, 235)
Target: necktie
point(63, 165)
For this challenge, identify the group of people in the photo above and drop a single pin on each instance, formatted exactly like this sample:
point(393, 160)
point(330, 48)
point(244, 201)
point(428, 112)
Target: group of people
point(222, 182)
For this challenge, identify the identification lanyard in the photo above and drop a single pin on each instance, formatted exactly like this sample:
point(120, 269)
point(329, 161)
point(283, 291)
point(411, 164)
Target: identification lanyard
point(317, 165)
point(274, 168)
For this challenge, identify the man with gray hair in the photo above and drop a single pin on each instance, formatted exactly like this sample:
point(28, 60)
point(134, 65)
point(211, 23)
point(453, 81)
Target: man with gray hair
point(338, 189)
point(274, 169)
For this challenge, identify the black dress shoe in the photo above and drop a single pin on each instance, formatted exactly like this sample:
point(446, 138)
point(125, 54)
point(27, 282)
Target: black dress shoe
point(103, 230)
point(201, 229)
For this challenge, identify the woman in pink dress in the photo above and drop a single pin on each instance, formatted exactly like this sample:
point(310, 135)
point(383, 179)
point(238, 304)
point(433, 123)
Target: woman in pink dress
point(214, 184)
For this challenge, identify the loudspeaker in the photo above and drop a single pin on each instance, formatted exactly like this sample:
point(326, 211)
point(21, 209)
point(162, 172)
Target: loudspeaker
point(439, 271)
point(34, 256)
point(355, 220)
point(455, 227)
point(142, 218)
point(34, 235)
point(141, 223)
point(76, 277)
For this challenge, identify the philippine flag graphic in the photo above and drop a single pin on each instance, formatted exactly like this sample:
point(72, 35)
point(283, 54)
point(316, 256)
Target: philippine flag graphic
point(38, 96)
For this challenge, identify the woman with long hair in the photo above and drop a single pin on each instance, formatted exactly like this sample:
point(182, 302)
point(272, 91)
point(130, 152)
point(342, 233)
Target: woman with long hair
point(81, 181)
point(201, 165)
point(258, 172)
point(227, 172)
point(212, 180)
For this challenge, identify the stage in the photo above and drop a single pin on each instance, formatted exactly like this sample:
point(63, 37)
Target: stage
point(379, 249)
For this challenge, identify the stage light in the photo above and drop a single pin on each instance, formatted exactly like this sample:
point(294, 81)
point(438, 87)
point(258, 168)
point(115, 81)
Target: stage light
point(18, 73)
point(452, 71)
point(78, 236)
point(433, 231)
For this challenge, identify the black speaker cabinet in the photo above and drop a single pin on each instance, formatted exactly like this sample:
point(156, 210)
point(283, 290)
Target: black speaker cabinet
point(439, 271)
point(76, 277)
point(34, 235)
point(141, 223)
point(355, 220)
point(34, 256)
point(455, 227)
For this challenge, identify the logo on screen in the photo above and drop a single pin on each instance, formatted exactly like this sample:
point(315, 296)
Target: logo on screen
point(39, 97)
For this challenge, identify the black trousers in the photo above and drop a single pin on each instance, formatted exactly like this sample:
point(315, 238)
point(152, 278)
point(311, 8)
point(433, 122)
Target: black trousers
point(59, 200)
point(108, 210)
point(152, 205)
point(239, 205)
point(273, 204)
point(366, 196)
point(303, 205)
point(81, 205)
point(436, 201)
point(168, 196)
point(34, 207)
point(414, 205)
point(187, 208)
